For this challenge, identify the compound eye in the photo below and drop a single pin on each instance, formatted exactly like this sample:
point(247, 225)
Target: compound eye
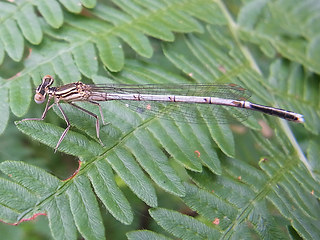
point(39, 98)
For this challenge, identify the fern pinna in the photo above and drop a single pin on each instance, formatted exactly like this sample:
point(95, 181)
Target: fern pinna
point(204, 181)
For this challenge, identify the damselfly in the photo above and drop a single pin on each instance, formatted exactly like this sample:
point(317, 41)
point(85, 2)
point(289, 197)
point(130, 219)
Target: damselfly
point(179, 100)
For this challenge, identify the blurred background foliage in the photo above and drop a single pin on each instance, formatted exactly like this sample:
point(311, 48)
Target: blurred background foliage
point(270, 54)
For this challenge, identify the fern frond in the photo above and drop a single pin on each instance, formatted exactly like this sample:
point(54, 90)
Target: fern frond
point(237, 201)
point(183, 226)
point(130, 26)
point(85, 210)
point(60, 202)
point(301, 91)
point(4, 109)
point(101, 177)
point(19, 21)
point(313, 155)
point(134, 139)
point(145, 235)
point(291, 88)
point(296, 31)
point(77, 55)
point(131, 173)
point(234, 198)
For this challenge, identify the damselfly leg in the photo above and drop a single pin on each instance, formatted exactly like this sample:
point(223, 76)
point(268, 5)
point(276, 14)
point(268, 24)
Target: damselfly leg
point(95, 116)
point(67, 119)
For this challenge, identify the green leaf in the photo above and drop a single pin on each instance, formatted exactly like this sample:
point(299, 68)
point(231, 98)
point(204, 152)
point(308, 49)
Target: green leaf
point(159, 169)
point(14, 200)
point(12, 39)
point(283, 78)
point(60, 218)
point(156, 30)
point(74, 143)
point(101, 177)
point(175, 146)
point(85, 209)
point(145, 235)
point(30, 186)
point(73, 6)
point(137, 41)
point(210, 205)
point(110, 52)
point(89, 3)
point(200, 144)
point(296, 196)
point(296, 30)
point(204, 11)
point(42, 182)
point(270, 50)
point(314, 49)
point(86, 59)
point(250, 13)
point(4, 109)
point(29, 24)
point(182, 226)
point(247, 188)
point(66, 69)
point(51, 11)
point(1, 53)
point(224, 139)
point(313, 153)
point(130, 172)
point(20, 97)
point(7, 7)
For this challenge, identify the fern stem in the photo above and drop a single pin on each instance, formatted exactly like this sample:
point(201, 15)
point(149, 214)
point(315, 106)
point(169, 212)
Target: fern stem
point(233, 26)
point(296, 146)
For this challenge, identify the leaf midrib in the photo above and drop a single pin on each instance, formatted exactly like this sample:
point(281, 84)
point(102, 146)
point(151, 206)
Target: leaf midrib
point(260, 195)
point(65, 184)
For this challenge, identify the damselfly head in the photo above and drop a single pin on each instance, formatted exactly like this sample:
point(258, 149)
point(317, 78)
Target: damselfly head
point(41, 90)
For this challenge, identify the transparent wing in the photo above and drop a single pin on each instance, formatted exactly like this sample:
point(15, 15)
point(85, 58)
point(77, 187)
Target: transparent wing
point(227, 91)
point(184, 112)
